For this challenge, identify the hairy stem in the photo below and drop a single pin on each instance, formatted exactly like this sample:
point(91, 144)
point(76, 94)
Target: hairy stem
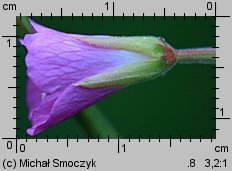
point(196, 55)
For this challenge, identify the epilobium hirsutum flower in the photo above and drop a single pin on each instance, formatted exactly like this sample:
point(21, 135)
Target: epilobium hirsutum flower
point(67, 72)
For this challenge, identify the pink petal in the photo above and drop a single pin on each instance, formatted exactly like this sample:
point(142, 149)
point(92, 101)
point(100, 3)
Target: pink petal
point(62, 105)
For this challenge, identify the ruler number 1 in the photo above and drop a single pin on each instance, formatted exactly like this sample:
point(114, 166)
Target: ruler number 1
point(107, 5)
point(8, 41)
point(124, 147)
point(222, 111)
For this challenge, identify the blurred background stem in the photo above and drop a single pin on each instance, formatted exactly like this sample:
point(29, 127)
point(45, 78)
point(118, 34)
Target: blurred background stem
point(96, 123)
point(25, 26)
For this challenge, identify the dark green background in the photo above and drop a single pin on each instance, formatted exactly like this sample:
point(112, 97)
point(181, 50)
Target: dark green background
point(178, 103)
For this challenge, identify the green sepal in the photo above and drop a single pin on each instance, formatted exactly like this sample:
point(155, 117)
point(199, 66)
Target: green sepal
point(150, 46)
point(126, 75)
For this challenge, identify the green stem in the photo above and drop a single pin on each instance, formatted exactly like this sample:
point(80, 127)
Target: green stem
point(196, 55)
point(96, 123)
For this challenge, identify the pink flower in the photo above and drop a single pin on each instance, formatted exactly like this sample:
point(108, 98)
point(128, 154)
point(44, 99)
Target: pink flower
point(67, 72)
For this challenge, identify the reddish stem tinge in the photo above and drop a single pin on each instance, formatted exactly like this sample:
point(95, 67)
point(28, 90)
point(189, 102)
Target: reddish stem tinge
point(197, 55)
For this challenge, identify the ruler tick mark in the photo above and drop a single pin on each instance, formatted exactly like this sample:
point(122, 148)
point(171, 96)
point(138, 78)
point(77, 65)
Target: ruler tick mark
point(170, 137)
point(217, 67)
point(118, 144)
point(61, 13)
point(17, 107)
point(215, 129)
point(16, 118)
point(11, 36)
point(14, 87)
point(164, 13)
point(220, 118)
point(67, 140)
point(113, 10)
point(16, 97)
